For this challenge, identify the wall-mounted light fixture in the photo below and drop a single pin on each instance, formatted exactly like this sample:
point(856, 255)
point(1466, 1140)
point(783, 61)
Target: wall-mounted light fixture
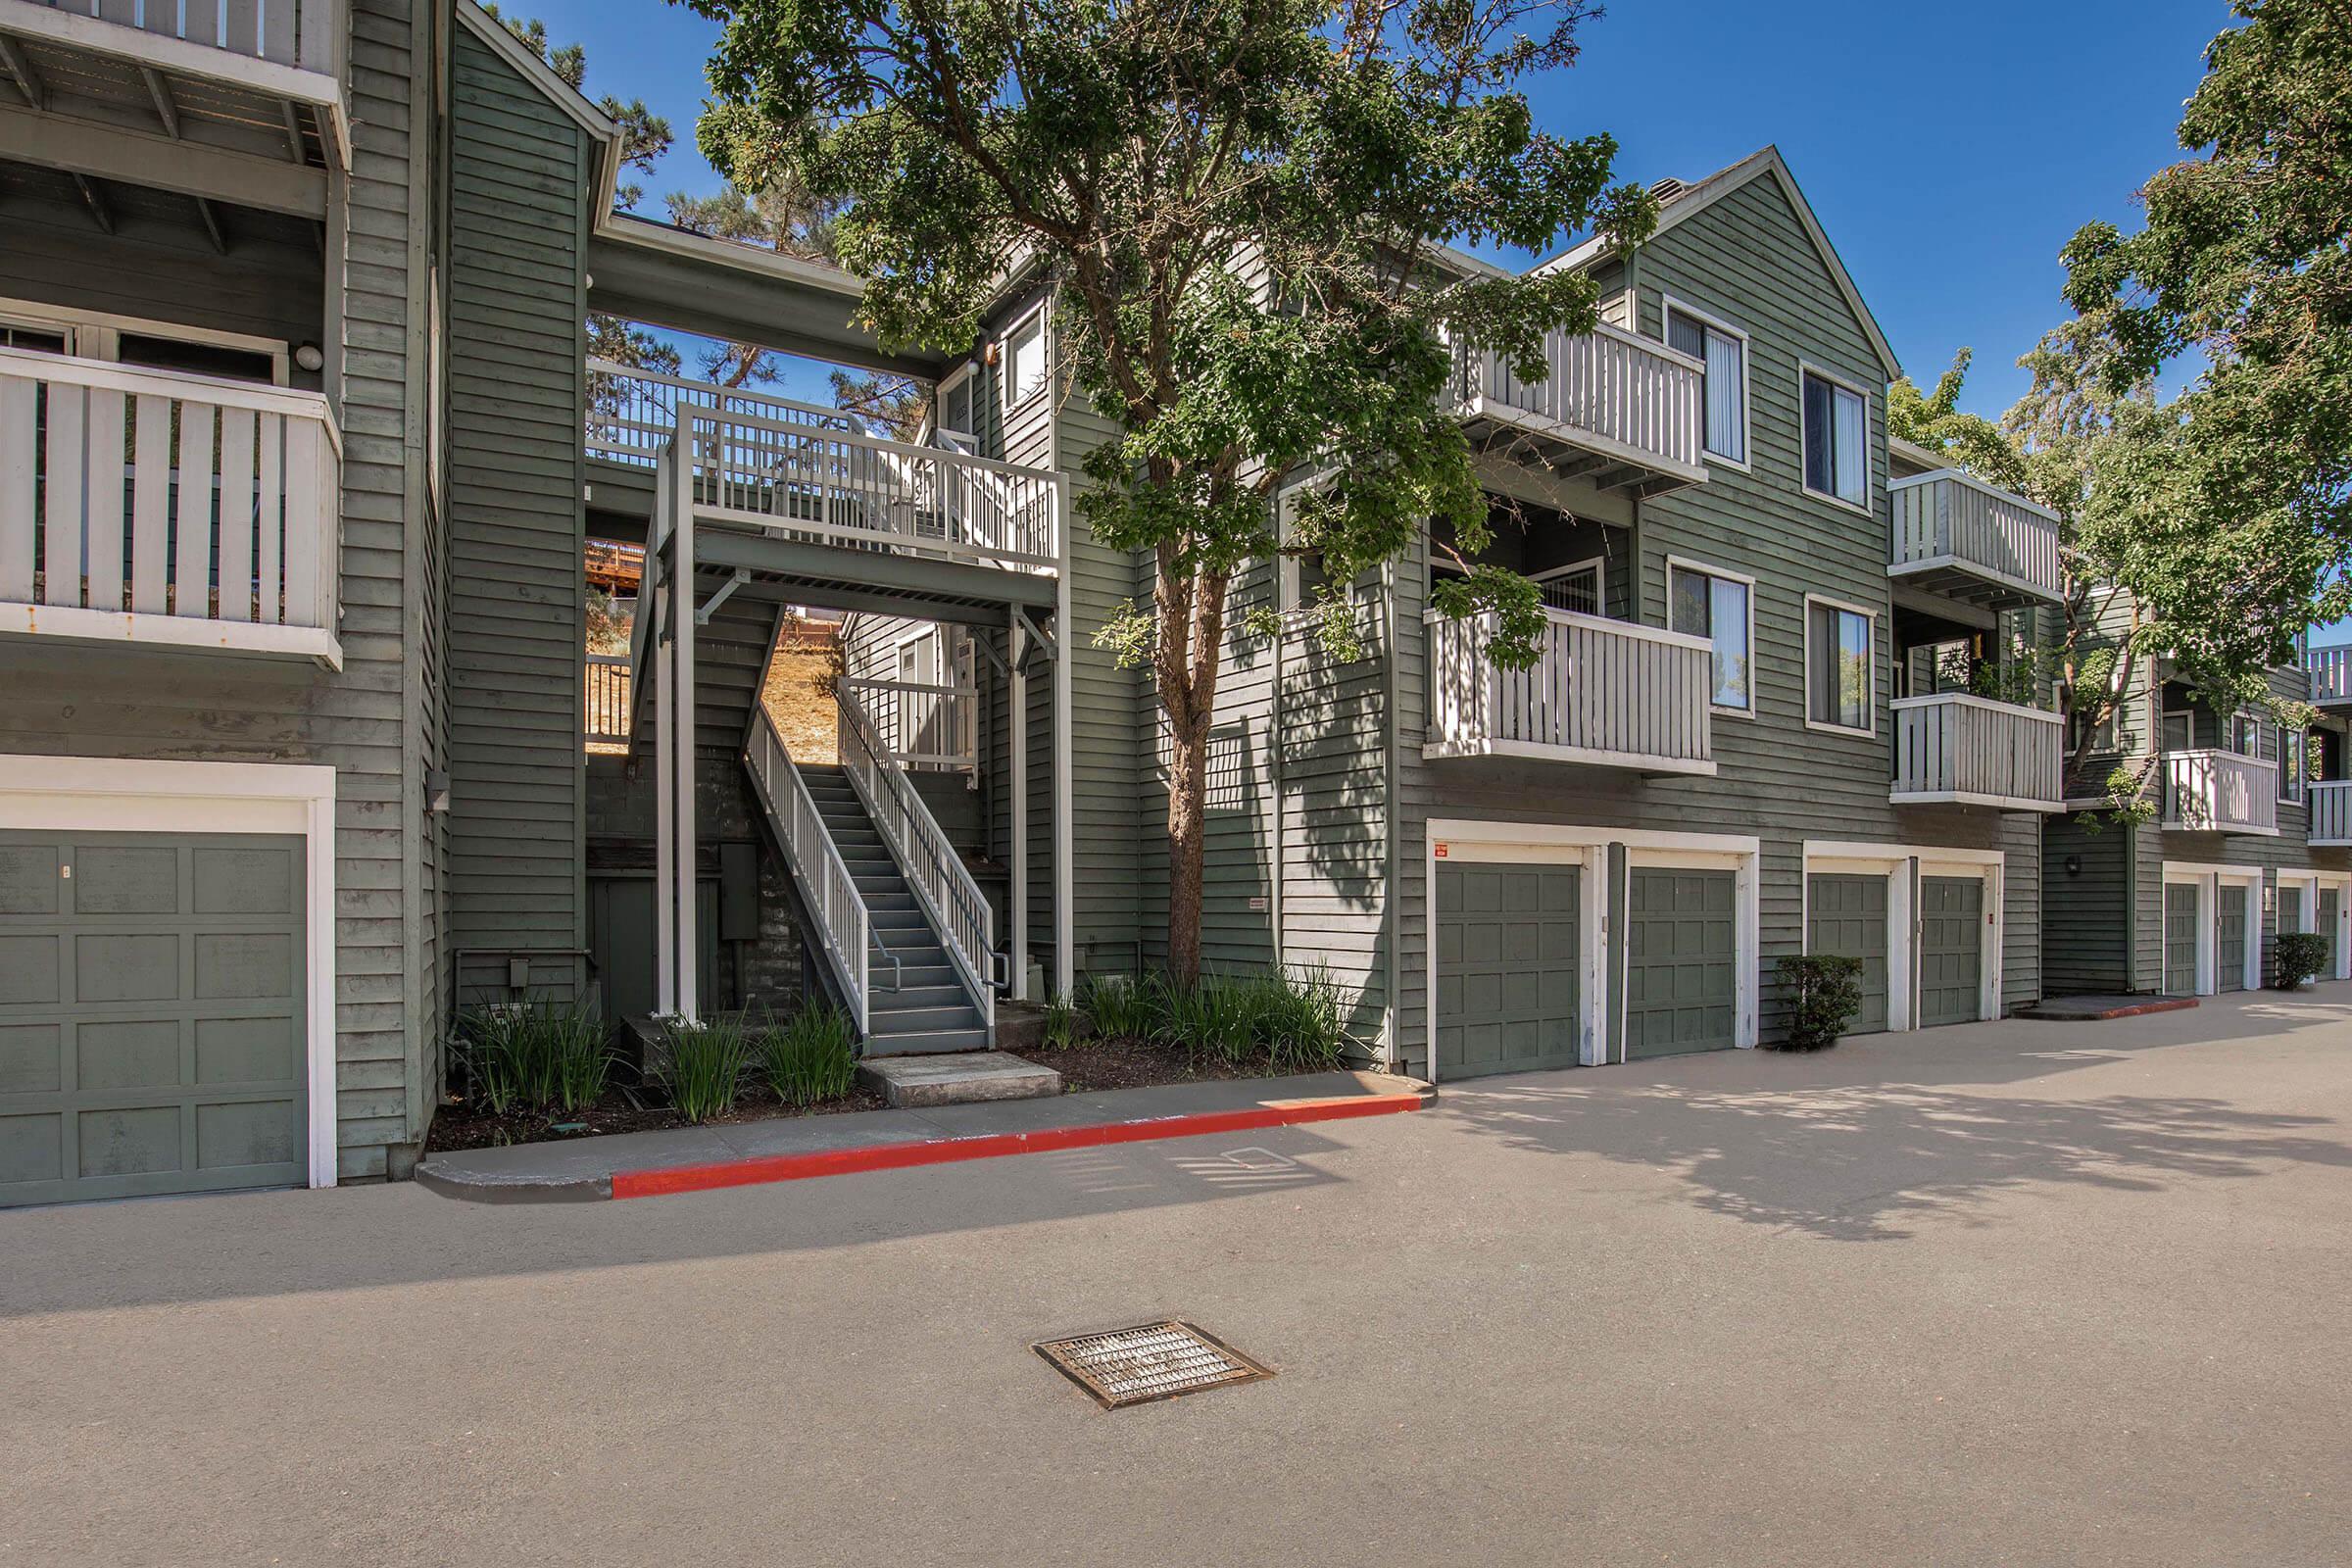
point(309, 356)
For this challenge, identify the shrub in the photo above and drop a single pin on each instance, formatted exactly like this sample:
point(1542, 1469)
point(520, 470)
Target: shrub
point(811, 1057)
point(2299, 956)
point(1300, 1023)
point(1061, 1023)
point(535, 1056)
point(1213, 1018)
point(1823, 992)
point(1117, 1006)
point(703, 1065)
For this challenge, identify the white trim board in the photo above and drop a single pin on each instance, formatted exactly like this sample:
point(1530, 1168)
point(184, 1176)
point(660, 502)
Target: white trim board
point(110, 794)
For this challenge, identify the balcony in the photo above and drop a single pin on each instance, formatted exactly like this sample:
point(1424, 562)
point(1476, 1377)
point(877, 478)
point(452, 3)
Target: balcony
point(1604, 693)
point(158, 509)
point(2330, 672)
point(1961, 538)
point(2332, 816)
point(1957, 750)
point(2220, 792)
point(1618, 409)
point(157, 93)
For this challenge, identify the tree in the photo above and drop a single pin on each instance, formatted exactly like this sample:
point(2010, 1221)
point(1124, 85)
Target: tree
point(2227, 510)
point(1240, 211)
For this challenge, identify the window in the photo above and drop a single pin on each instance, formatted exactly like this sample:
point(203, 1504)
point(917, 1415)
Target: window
point(1025, 358)
point(1837, 440)
point(2293, 749)
point(1724, 352)
point(2245, 735)
point(955, 403)
point(1718, 607)
point(1576, 589)
point(1837, 666)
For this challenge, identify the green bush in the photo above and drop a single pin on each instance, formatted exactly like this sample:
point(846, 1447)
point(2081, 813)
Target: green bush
point(1300, 1023)
point(811, 1057)
point(1118, 1008)
point(1216, 1017)
point(2299, 956)
point(1823, 992)
point(703, 1065)
point(534, 1057)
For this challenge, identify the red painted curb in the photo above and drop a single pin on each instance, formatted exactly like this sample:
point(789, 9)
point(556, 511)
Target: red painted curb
point(2136, 1010)
point(991, 1145)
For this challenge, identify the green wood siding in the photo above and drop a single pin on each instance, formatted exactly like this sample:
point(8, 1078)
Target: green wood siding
point(518, 185)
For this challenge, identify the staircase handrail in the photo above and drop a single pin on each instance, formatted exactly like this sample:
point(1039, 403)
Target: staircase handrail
point(844, 931)
point(958, 910)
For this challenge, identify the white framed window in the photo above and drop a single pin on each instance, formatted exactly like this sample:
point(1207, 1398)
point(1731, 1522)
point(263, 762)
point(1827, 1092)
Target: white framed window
point(955, 402)
point(1837, 445)
point(1576, 588)
point(1723, 405)
point(1839, 683)
point(2293, 752)
point(2179, 731)
point(2245, 735)
point(1025, 358)
point(1720, 606)
point(135, 341)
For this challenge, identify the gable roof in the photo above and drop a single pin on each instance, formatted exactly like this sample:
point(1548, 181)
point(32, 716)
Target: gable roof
point(1679, 201)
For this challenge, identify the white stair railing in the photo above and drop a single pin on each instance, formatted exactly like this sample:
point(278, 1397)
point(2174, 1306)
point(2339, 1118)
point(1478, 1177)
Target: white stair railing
point(844, 932)
point(924, 725)
point(959, 911)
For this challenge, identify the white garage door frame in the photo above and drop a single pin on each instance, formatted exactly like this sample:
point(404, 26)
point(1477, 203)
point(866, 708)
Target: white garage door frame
point(2190, 873)
point(1988, 866)
point(2250, 878)
point(2308, 882)
point(1478, 843)
point(1894, 861)
point(107, 795)
point(2341, 881)
point(1708, 851)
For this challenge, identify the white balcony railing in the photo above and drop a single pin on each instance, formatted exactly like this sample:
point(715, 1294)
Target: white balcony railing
point(632, 414)
point(920, 725)
point(1960, 532)
point(307, 35)
point(2331, 672)
point(1613, 393)
point(2331, 815)
point(154, 507)
point(1951, 748)
point(2220, 792)
point(1608, 693)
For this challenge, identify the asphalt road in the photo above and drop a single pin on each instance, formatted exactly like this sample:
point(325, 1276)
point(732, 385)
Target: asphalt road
point(2009, 1293)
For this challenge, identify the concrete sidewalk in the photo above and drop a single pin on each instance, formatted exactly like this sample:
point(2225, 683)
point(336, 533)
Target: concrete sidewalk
point(797, 1148)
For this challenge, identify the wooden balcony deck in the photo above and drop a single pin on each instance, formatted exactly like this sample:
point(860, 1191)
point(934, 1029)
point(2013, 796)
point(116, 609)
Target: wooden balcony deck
point(2220, 792)
point(151, 506)
point(2331, 815)
point(1618, 409)
point(1604, 693)
point(1959, 537)
point(1954, 749)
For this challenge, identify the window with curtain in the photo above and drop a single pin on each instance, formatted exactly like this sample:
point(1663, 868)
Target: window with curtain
point(1837, 440)
point(1715, 607)
point(1838, 654)
point(1724, 405)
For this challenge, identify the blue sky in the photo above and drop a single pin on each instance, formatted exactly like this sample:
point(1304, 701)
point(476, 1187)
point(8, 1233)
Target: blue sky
point(1950, 150)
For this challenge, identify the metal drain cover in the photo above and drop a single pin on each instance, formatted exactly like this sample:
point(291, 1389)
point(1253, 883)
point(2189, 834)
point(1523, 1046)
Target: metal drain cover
point(1150, 1361)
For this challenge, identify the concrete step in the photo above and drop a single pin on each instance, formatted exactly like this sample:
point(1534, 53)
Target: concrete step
point(919, 1020)
point(958, 1079)
point(923, 1044)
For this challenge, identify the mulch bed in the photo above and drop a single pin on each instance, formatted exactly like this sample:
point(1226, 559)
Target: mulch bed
point(1090, 1064)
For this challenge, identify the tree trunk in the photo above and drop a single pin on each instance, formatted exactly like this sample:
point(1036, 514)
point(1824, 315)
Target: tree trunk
point(1188, 789)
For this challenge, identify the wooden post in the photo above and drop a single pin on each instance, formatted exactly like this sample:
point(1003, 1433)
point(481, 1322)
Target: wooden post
point(1064, 867)
point(682, 557)
point(1017, 744)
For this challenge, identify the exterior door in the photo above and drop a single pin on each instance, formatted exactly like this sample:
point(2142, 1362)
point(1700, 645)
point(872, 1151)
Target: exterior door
point(2229, 937)
point(1951, 950)
point(1508, 956)
point(2330, 903)
point(154, 1002)
point(1682, 963)
point(2181, 939)
point(1846, 916)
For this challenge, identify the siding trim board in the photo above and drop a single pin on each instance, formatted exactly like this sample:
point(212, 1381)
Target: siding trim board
point(114, 795)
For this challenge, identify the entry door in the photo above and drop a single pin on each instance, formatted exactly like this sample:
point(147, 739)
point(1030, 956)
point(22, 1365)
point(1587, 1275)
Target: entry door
point(2180, 938)
point(1847, 916)
point(2329, 906)
point(1681, 980)
point(2229, 937)
point(1951, 950)
point(1508, 956)
point(153, 1009)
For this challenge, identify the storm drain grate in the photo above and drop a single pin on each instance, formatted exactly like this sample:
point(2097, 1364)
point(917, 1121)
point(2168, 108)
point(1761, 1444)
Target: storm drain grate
point(1150, 1361)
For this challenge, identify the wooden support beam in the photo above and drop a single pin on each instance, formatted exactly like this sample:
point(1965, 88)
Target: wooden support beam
point(95, 201)
point(212, 226)
point(160, 90)
point(145, 158)
point(20, 71)
point(293, 133)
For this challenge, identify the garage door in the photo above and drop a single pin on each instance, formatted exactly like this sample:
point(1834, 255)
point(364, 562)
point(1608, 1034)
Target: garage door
point(1846, 916)
point(1682, 982)
point(2229, 937)
point(1506, 970)
point(1951, 949)
point(151, 1014)
point(2181, 939)
point(2331, 902)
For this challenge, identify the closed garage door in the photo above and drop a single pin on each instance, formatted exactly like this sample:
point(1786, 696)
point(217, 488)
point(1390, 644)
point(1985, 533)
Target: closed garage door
point(1682, 983)
point(2180, 938)
point(2331, 904)
point(1951, 949)
point(2229, 937)
point(1846, 916)
point(151, 1014)
point(1506, 970)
